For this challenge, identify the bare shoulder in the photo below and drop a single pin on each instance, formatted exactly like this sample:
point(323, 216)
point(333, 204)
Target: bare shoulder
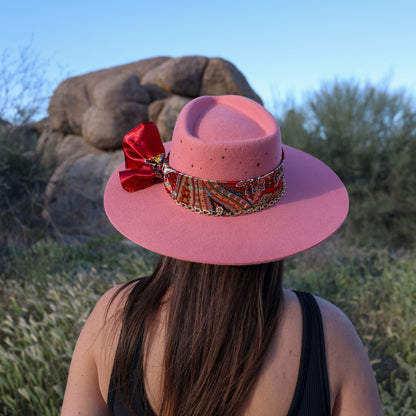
point(102, 317)
point(104, 312)
point(108, 306)
point(337, 324)
point(349, 368)
point(342, 340)
point(103, 330)
point(88, 375)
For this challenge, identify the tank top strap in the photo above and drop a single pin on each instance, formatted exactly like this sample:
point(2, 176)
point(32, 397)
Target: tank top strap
point(117, 403)
point(311, 396)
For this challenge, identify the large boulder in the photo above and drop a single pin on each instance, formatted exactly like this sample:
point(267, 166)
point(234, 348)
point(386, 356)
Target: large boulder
point(104, 128)
point(181, 76)
point(75, 95)
point(89, 115)
point(221, 75)
point(165, 112)
point(55, 148)
point(74, 195)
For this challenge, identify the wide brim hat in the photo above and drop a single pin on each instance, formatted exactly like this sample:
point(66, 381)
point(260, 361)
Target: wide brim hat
point(229, 138)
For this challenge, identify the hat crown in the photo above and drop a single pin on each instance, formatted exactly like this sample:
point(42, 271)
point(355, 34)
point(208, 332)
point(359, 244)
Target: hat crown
point(227, 138)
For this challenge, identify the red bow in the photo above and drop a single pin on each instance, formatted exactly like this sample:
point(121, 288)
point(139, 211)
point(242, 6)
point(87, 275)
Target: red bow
point(143, 153)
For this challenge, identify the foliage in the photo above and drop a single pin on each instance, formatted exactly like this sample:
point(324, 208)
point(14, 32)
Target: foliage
point(24, 85)
point(376, 288)
point(47, 292)
point(400, 398)
point(368, 136)
point(22, 184)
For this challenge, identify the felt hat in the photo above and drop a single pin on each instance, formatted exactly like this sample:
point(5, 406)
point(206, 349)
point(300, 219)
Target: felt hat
point(224, 190)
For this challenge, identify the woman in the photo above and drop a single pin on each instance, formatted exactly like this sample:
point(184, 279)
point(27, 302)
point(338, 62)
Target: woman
point(212, 331)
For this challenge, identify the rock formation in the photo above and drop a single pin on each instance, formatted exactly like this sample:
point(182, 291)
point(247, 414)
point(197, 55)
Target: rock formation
point(90, 114)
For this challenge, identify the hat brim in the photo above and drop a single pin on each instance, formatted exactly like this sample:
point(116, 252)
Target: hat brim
point(314, 206)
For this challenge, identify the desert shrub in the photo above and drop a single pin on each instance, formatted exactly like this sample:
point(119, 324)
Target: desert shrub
point(376, 288)
point(399, 399)
point(367, 134)
point(22, 185)
point(46, 293)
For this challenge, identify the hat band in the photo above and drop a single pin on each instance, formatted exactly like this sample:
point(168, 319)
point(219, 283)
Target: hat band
point(146, 164)
point(224, 198)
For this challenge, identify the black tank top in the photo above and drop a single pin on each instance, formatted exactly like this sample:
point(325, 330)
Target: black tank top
point(311, 397)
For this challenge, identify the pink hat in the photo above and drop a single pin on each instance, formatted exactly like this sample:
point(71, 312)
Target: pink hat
point(228, 192)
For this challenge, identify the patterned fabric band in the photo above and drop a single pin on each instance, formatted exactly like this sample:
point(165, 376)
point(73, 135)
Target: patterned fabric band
point(146, 164)
point(224, 198)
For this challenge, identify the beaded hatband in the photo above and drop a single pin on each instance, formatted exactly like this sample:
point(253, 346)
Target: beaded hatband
point(224, 198)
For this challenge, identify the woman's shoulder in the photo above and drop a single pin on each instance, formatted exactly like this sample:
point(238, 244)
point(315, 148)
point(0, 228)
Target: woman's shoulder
point(331, 311)
point(115, 297)
point(341, 338)
point(338, 328)
point(343, 344)
point(90, 369)
point(349, 368)
point(328, 310)
point(103, 317)
point(108, 306)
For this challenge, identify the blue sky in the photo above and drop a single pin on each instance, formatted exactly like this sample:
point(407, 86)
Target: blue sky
point(284, 48)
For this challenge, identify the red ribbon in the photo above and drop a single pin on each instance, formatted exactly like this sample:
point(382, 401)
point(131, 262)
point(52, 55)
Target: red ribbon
point(141, 147)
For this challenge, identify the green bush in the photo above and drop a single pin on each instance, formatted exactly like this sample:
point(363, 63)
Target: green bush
point(368, 136)
point(46, 293)
point(376, 288)
point(22, 185)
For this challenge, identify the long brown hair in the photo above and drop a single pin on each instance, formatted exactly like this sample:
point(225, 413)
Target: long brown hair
point(220, 323)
